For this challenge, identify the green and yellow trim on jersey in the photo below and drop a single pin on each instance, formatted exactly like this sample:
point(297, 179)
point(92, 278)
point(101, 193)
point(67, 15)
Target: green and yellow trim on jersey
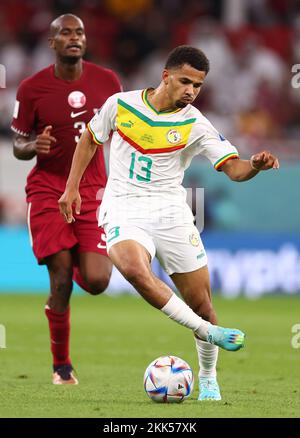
point(218, 164)
point(149, 136)
point(148, 104)
point(94, 135)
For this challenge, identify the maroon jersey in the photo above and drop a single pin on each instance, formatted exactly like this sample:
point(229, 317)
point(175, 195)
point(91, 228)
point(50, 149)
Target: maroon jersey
point(43, 99)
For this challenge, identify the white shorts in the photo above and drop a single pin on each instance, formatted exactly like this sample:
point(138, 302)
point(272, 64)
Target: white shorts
point(179, 249)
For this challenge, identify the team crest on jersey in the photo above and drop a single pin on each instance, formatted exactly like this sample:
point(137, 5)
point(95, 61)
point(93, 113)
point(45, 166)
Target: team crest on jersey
point(76, 99)
point(173, 136)
point(194, 239)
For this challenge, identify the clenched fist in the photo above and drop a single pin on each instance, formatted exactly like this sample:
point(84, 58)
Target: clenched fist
point(263, 161)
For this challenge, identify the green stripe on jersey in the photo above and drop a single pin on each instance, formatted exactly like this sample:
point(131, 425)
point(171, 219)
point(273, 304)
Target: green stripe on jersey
point(151, 122)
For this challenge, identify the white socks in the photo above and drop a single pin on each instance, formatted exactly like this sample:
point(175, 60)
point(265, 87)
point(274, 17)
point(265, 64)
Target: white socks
point(180, 312)
point(208, 356)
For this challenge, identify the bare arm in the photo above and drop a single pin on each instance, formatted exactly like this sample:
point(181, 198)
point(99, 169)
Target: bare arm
point(84, 152)
point(26, 150)
point(243, 170)
point(23, 149)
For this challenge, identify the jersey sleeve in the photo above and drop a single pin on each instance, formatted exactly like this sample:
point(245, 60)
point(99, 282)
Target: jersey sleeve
point(208, 142)
point(24, 114)
point(103, 121)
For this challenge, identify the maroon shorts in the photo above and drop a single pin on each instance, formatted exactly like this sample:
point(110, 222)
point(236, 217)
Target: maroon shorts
point(49, 233)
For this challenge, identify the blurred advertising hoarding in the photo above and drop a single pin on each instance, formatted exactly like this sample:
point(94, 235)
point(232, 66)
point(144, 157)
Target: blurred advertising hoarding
point(247, 264)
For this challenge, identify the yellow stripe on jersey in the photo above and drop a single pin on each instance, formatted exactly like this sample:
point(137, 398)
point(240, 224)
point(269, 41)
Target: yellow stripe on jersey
point(223, 160)
point(149, 136)
point(94, 135)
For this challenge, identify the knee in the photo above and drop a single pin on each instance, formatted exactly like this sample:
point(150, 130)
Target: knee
point(205, 310)
point(135, 275)
point(97, 284)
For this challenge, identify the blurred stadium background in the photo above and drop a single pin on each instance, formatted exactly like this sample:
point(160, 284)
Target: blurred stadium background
point(252, 230)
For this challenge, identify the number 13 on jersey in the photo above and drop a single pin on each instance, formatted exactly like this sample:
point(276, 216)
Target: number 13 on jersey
point(144, 170)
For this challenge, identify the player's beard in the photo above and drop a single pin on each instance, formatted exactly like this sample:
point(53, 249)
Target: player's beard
point(70, 60)
point(181, 104)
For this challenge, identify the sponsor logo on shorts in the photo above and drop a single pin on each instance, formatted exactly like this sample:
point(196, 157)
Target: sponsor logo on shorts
point(194, 239)
point(102, 243)
point(173, 136)
point(202, 254)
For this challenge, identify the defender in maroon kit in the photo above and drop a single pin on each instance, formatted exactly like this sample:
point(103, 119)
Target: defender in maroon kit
point(55, 105)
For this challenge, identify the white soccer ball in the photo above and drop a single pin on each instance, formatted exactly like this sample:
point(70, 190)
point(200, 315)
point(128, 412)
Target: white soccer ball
point(168, 379)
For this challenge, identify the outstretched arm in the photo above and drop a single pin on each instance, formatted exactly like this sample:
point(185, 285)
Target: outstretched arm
point(84, 152)
point(242, 170)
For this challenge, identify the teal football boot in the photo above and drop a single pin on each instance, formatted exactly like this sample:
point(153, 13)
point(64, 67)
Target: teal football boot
point(209, 389)
point(227, 338)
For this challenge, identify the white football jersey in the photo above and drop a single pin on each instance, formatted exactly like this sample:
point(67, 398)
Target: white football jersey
point(148, 155)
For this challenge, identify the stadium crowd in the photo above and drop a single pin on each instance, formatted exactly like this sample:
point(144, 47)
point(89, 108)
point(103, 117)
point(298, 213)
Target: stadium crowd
point(252, 46)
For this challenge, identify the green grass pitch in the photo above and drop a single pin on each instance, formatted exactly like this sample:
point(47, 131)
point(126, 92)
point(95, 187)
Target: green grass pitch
point(114, 339)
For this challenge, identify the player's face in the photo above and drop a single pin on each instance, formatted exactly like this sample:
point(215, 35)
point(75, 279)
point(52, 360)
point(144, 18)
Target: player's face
point(69, 41)
point(183, 84)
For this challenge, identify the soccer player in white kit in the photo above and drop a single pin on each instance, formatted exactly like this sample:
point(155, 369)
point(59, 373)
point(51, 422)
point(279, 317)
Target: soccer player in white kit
point(156, 133)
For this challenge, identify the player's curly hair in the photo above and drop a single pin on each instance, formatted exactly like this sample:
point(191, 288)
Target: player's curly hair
point(188, 55)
